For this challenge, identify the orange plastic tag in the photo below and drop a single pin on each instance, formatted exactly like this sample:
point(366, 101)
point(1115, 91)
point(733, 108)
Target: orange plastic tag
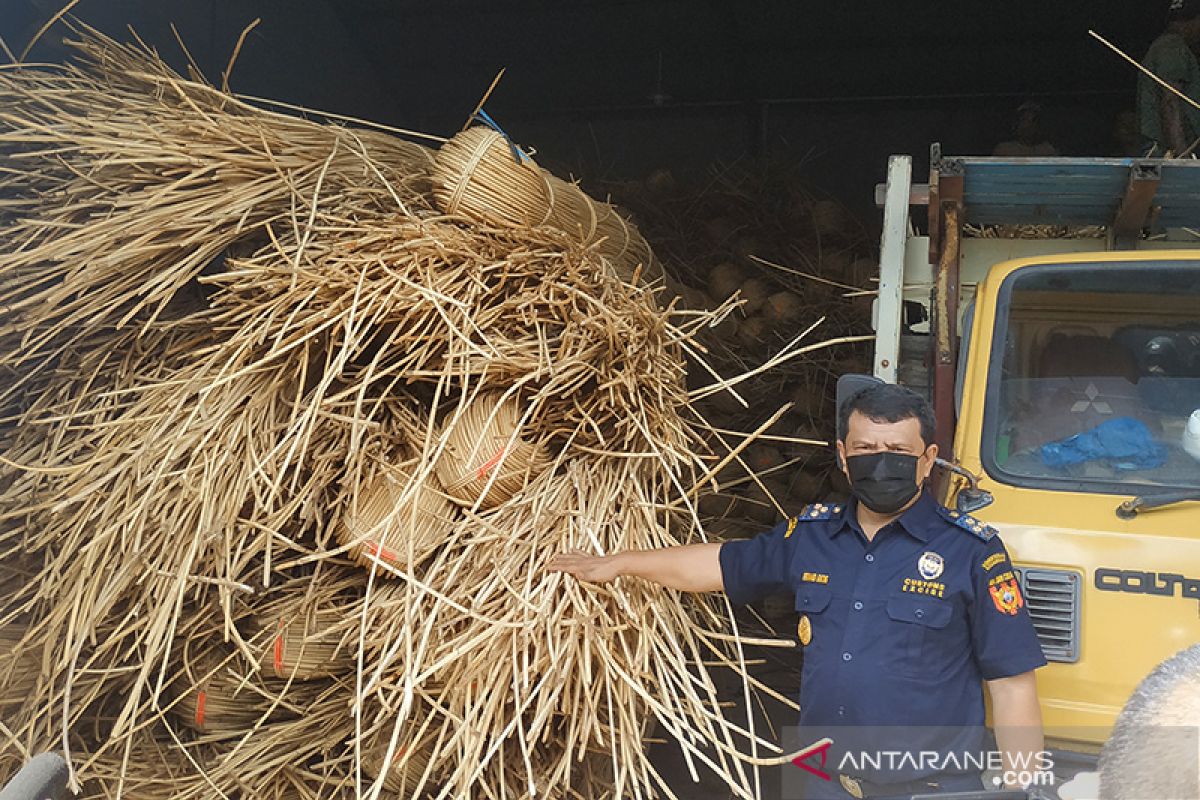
point(376, 549)
point(490, 465)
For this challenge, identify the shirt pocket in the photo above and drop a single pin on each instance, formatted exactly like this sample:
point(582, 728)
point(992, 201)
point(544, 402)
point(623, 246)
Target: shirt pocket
point(916, 624)
point(812, 601)
point(812, 598)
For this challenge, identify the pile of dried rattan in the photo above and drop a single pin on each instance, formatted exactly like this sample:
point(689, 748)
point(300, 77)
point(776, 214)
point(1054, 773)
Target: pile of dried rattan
point(756, 234)
point(286, 446)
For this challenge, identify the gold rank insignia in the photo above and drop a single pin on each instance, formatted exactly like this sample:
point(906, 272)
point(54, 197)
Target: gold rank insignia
point(818, 511)
point(804, 629)
point(968, 523)
point(811, 513)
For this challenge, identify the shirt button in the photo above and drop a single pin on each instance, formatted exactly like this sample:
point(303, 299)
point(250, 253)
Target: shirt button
point(841, 711)
point(870, 556)
point(858, 606)
point(846, 656)
point(920, 613)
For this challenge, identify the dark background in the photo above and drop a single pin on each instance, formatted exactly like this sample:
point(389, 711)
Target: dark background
point(613, 89)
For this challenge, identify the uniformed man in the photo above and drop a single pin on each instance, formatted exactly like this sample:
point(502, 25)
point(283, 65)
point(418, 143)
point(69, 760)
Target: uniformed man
point(906, 610)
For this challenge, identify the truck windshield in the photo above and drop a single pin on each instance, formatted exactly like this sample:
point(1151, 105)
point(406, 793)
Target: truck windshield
point(1095, 373)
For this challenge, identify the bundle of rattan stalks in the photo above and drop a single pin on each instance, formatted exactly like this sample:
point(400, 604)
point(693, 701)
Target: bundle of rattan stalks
point(483, 176)
point(286, 448)
point(1035, 231)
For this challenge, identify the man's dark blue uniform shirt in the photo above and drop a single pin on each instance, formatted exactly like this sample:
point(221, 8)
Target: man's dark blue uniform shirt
point(900, 630)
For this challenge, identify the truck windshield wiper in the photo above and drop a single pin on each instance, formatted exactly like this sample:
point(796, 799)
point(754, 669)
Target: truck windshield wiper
point(1130, 508)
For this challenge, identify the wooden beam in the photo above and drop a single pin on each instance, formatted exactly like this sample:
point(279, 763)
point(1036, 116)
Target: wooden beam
point(1134, 209)
point(945, 311)
point(935, 205)
point(918, 194)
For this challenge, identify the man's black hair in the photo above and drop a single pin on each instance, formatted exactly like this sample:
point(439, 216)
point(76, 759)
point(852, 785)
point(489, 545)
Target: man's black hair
point(887, 402)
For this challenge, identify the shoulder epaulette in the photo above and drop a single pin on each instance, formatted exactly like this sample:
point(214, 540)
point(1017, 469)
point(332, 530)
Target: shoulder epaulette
point(981, 530)
point(812, 513)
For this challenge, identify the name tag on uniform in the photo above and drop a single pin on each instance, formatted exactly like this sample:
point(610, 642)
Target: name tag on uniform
point(814, 577)
point(931, 588)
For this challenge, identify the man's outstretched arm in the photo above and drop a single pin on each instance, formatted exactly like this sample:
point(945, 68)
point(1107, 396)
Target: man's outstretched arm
point(690, 568)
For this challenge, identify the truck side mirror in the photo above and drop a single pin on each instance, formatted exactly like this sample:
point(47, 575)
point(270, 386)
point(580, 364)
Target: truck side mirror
point(970, 498)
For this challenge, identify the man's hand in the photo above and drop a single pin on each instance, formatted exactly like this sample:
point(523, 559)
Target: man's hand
point(594, 569)
point(691, 568)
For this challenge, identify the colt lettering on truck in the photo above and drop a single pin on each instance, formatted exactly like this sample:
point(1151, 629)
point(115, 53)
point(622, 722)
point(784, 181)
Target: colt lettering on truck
point(1051, 312)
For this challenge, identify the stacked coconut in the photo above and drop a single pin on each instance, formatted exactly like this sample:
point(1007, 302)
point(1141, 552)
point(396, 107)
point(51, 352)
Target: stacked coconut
point(755, 245)
point(294, 415)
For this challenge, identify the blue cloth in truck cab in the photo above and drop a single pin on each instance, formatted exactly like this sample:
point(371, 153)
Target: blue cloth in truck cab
point(1125, 442)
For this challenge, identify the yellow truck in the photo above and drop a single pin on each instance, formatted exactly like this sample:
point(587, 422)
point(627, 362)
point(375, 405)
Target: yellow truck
point(1050, 307)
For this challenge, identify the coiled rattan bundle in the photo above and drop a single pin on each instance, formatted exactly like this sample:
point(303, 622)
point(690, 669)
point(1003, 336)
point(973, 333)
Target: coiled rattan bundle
point(395, 518)
point(479, 174)
point(486, 456)
point(219, 693)
point(304, 645)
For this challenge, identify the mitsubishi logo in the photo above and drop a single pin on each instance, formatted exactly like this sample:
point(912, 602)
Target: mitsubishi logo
point(1091, 393)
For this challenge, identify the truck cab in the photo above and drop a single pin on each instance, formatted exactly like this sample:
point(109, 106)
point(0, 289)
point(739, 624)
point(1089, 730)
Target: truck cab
point(1064, 368)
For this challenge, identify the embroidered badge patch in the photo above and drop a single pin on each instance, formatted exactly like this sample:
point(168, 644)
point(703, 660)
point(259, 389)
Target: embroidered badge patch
point(804, 630)
point(1006, 594)
point(994, 560)
point(930, 565)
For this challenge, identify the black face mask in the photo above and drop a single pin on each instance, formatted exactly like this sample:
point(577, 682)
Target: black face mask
point(883, 482)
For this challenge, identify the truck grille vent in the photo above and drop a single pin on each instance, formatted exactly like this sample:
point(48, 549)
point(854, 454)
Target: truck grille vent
point(1052, 597)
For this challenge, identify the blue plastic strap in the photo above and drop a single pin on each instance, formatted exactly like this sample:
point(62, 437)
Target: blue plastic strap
point(486, 119)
